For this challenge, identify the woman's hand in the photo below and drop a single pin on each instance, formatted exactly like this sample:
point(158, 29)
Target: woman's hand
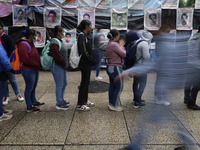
point(122, 42)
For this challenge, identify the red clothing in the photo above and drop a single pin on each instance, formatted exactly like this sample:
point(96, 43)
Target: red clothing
point(29, 59)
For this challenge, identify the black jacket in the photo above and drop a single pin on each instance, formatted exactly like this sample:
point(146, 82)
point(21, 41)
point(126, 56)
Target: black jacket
point(8, 44)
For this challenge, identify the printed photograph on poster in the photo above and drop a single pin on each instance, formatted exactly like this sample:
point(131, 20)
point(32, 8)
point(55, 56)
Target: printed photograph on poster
point(6, 1)
point(19, 15)
point(197, 4)
point(119, 19)
point(70, 38)
point(36, 2)
point(41, 36)
point(52, 16)
point(136, 4)
point(170, 4)
point(104, 4)
point(86, 14)
point(5, 30)
point(184, 18)
point(152, 19)
point(69, 3)
point(186, 3)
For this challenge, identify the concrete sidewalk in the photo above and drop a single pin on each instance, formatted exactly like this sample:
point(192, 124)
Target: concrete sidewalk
point(99, 129)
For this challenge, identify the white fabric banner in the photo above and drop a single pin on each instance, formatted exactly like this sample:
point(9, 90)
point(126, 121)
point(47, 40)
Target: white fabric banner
point(87, 14)
point(119, 19)
point(36, 2)
point(184, 20)
point(41, 36)
point(136, 4)
point(70, 38)
point(69, 3)
point(104, 4)
point(197, 4)
point(170, 4)
point(52, 16)
point(152, 19)
point(19, 15)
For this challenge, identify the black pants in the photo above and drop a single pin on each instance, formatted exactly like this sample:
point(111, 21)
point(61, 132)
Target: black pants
point(85, 81)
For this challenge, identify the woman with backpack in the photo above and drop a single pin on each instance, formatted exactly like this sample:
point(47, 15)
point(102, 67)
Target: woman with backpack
point(59, 67)
point(30, 59)
point(115, 53)
point(87, 60)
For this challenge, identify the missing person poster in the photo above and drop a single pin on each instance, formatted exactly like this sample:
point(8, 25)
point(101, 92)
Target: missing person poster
point(52, 16)
point(41, 36)
point(170, 4)
point(6, 1)
point(70, 38)
point(152, 20)
point(104, 4)
point(197, 4)
point(69, 3)
point(184, 18)
point(86, 14)
point(36, 2)
point(136, 4)
point(19, 15)
point(119, 19)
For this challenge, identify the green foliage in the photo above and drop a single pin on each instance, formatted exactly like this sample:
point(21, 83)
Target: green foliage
point(188, 3)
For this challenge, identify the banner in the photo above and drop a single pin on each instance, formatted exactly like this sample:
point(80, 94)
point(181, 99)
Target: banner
point(184, 18)
point(104, 4)
point(52, 16)
point(197, 4)
point(36, 2)
point(19, 15)
point(6, 1)
point(41, 36)
point(170, 4)
point(119, 19)
point(136, 4)
point(70, 38)
point(152, 20)
point(87, 14)
point(69, 3)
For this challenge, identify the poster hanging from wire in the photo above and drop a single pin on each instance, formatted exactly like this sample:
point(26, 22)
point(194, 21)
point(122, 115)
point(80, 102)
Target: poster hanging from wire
point(197, 4)
point(19, 15)
point(70, 38)
point(6, 1)
point(104, 4)
point(170, 4)
point(136, 4)
point(86, 14)
point(119, 19)
point(41, 36)
point(152, 20)
point(184, 19)
point(36, 2)
point(52, 16)
point(69, 3)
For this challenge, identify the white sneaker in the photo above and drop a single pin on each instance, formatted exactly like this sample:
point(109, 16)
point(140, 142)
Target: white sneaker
point(83, 108)
point(5, 100)
point(90, 104)
point(98, 78)
point(162, 102)
point(5, 117)
point(20, 98)
point(7, 112)
point(117, 108)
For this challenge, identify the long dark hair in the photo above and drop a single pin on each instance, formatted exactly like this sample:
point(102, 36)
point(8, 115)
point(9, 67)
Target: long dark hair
point(112, 34)
point(83, 25)
point(57, 29)
point(28, 32)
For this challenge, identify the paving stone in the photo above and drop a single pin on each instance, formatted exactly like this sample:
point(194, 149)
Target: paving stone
point(94, 147)
point(30, 148)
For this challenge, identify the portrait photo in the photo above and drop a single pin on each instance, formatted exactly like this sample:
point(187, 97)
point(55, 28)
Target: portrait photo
point(19, 15)
point(86, 14)
point(119, 19)
point(52, 16)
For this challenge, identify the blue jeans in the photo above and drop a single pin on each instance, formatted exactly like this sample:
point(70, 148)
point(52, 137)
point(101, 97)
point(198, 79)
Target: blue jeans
point(31, 77)
point(13, 81)
point(115, 88)
point(98, 55)
point(2, 91)
point(60, 77)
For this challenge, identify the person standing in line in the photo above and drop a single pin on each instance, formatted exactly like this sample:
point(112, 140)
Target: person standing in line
point(115, 53)
point(87, 60)
point(59, 67)
point(30, 59)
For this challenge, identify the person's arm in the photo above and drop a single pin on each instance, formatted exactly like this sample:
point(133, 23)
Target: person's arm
point(119, 50)
point(4, 61)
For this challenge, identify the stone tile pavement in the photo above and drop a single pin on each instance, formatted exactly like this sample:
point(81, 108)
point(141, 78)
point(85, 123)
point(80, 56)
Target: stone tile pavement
point(99, 129)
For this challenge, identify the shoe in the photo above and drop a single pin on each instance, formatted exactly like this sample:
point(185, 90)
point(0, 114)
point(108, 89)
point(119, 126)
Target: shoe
point(90, 104)
point(62, 107)
point(37, 104)
point(193, 107)
point(180, 148)
point(5, 117)
point(98, 78)
point(83, 108)
point(33, 109)
point(162, 102)
point(66, 103)
point(138, 105)
point(115, 108)
point(7, 112)
point(186, 101)
point(20, 98)
point(5, 100)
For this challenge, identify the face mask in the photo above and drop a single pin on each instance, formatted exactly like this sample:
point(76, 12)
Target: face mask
point(34, 40)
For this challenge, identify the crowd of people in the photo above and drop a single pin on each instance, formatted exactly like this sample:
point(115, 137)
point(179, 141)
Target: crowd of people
point(171, 66)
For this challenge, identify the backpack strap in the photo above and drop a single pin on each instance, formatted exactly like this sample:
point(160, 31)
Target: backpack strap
point(29, 47)
point(59, 43)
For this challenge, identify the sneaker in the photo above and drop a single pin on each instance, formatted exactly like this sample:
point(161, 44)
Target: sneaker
point(66, 103)
point(90, 104)
point(20, 98)
point(98, 78)
point(115, 108)
point(83, 108)
point(5, 117)
point(186, 101)
point(62, 107)
point(7, 112)
point(33, 109)
point(5, 100)
point(162, 102)
point(138, 105)
point(193, 107)
point(37, 104)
